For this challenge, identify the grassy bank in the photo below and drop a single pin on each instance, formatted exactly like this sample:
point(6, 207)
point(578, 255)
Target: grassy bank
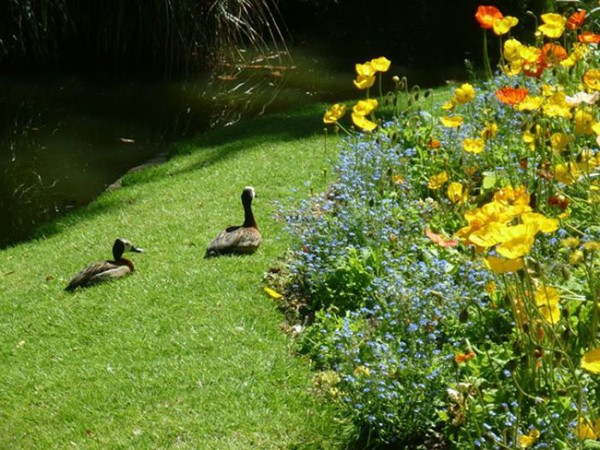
point(186, 352)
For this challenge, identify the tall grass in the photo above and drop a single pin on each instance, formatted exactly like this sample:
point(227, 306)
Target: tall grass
point(176, 37)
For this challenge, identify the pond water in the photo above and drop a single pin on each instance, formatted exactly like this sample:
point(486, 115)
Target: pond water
point(64, 138)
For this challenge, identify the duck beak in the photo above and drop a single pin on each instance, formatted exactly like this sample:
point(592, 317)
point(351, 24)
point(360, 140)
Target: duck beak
point(137, 250)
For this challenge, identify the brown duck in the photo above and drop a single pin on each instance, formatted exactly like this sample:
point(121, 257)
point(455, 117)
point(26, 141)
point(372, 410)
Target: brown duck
point(106, 270)
point(241, 239)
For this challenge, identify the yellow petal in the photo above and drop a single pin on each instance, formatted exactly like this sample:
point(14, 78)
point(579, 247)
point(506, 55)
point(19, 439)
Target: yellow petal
point(501, 265)
point(364, 82)
point(517, 240)
point(365, 70)
point(362, 122)
point(272, 293)
point(365, 107)
point(544, 224)
point(381, 64)
point(334, 113)
point(591, 361)
point(473, 145)
point(452, 121)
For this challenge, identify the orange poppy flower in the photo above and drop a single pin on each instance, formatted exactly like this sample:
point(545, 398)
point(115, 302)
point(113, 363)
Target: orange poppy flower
point(463, 357)
point(553, 54)
point(587, 37)
point(576, 20)
point(511, 96)
point(439, 239)
point(487, 15)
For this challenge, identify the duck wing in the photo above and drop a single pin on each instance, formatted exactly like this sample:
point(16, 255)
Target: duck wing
point(96, 272)
point(235, 240)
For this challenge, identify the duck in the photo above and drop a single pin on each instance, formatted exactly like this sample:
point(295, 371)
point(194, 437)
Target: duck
point(238, 240)
point(99, 271)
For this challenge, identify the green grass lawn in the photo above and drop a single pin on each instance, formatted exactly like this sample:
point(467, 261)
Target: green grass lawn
point(187, 352)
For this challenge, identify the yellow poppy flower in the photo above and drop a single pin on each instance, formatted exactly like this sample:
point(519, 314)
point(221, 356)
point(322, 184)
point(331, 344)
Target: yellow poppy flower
point(583, 122)
point(513, 68)
point(527, 440)
point(362, 371)
point(490, 130)
point(363, 82)
point(362, 122)
point(488, 235)
point(566, 173)
point(335, 113)
point(572, 242)
point(591, 361)
point(473, 145)
point(501, 265)
point(464, 94)
point(437, 181)
point(559, 141)
point(513, 196)
point(511, 50)
point(578, 52)
point(546, 299)
point(381, 64)
point(457, 192)
point(585, 429)
point(503, 26)
point(529, 139)
point(517, 240)
point(365, 70)
point(449, 105)
point(596, 128)
point(490, 287)
point(452, 121)
point(553, 26)
point(529, 54)
point(556, 106)
point(365, 107)
point(592, 79)
point(544, 224)
point(530, 103)
point(591, 246)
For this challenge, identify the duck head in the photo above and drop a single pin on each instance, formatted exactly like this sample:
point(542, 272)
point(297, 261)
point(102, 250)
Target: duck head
point(123, 245)
point(248, 194)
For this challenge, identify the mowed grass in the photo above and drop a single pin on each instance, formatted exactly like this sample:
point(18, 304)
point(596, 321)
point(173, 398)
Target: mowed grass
point(187, 352)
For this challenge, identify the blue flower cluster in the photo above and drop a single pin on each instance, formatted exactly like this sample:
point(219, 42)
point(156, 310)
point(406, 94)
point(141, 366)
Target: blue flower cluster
point(387, 301)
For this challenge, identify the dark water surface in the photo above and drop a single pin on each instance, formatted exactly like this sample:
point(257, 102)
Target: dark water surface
point(64, 137)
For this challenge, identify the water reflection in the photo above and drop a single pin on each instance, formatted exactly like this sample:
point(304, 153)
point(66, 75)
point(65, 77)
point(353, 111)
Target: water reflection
point(65, 138)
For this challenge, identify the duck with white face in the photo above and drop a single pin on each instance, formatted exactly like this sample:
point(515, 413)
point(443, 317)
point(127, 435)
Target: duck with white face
point(100, 271)
point(243, 239)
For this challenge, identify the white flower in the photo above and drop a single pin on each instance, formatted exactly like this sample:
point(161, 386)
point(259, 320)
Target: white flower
point(582, 97)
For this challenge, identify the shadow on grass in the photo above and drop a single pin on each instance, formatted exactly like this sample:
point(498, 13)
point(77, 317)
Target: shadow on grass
point(207, 149)
point(226, 143)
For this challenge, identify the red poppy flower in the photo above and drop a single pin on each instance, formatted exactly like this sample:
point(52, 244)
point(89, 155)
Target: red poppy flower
point(552, 54)
point(487, 15)
point(559, 200)
point(587, 37)
point(511, 96)
point(576, 20)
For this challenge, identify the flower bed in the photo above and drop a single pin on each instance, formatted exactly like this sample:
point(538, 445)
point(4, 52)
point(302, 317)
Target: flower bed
point(450, 273)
